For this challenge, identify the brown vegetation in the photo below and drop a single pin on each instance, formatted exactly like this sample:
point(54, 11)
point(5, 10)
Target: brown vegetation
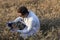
point(48, 12)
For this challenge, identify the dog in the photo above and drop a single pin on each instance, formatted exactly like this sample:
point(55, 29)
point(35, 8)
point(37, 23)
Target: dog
point(18, 24)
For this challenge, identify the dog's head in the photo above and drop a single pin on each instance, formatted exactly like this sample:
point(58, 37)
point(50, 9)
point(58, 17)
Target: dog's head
point(20, 25)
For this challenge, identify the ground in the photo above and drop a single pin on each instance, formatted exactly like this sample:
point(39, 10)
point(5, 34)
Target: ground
point(48, 12)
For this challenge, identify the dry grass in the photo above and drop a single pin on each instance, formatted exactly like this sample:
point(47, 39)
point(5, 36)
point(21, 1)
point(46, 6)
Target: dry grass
point(47, 10)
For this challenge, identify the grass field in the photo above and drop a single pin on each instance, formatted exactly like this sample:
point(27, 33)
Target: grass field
point(48, 12)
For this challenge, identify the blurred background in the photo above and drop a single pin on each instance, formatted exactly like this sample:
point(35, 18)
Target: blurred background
point(48, 12)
